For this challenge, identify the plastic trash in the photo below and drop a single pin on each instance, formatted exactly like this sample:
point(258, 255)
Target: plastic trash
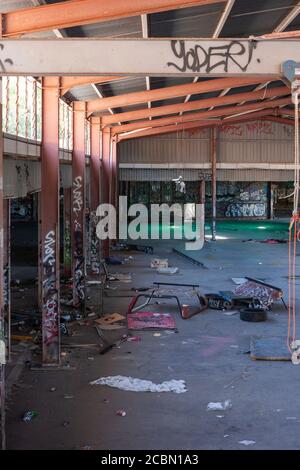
point(219, 406)
point(121, 413)
point(29, 415)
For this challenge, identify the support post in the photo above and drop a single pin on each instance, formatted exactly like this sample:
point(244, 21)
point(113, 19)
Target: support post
point(2, 332)
point(78, 204)
point(213, 151)
point(270, 199)
point(49, 260)
point(7, 274)
point(67, 232)
point(106, 178)
point(95, 193)
point(114, 178)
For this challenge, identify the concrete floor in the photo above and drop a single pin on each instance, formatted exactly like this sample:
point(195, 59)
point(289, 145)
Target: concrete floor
point(209, 352)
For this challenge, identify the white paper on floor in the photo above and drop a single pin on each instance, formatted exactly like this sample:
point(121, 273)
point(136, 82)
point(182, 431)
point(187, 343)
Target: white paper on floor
point(138, 385)
point(247, 443)
point(217, 406)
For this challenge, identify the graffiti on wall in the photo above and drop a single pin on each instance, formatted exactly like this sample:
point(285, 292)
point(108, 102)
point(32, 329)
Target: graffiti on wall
point(255, 127)
point(50, 292)
point(237, 199)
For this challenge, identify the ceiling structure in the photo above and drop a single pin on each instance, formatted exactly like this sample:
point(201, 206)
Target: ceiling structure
point(186, 19)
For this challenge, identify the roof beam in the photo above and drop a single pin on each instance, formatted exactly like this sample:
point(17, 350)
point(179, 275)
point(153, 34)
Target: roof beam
point(288, 18)
point(193, 125)
point(81, 12)
point(282, 35)
point(168, 92)
point(280, 120)
point(194, 105)
point(67, 83)
point(226, 111)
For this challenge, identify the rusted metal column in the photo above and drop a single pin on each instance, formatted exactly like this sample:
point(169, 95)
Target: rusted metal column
point(50, 220)
point(7, 273)
point(67, 232)
point(105, 179)
point(95, 192)
point(114, 176)
point(213, 151)
point(2, 330)
point(78, 205)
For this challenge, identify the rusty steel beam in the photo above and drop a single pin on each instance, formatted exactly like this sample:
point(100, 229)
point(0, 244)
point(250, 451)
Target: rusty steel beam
point(81, 12)
point(280, 120)
point(95, 192)
point(192, 125)
point(194, 105)
point(169, 92)
point(78, 205)
point(226, 111)
point(67, 232)
point(287, 112)
point(50, 220)
point(106, 178)
point(281, 35)
point(67, 83)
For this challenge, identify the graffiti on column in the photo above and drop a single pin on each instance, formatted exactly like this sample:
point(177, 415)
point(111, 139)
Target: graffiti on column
point(50, 293)
point(6, 287)
point(4, 62)
point(67, 243)
point(95, 248)
point(78, 241)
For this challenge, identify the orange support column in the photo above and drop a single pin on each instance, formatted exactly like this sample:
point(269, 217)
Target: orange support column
point(106, 178)
point(78, 204)
point(95, 192)
point(2, 330)
point(49, 261)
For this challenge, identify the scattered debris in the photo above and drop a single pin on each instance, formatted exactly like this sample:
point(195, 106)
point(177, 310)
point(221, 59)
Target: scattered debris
point(121, 413)
point(157, 334)
point(68, 397)
point(219, 406)
point(113, 261)
point(247, 443)
point(138, 385)
point(159, 263)
point(148, 320)
point(29, 415)
point(52, 389)
point(169, 271)
point(108, 319)
point(133, 338)
point(230, 312)
point(21, 338)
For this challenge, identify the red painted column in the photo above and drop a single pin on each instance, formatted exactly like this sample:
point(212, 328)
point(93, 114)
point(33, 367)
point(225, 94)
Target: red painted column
point(67, 232)
point(106, 178)
point(2, 332)
point(95, 192)
point(50, 220)
point(78, 205)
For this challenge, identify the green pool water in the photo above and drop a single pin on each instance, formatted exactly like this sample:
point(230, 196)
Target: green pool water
point(228, 229)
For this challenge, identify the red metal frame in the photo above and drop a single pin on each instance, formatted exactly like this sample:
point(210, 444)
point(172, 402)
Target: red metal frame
point(106, 178)
point(95, 193)
point(50, 220)
point(67, 232)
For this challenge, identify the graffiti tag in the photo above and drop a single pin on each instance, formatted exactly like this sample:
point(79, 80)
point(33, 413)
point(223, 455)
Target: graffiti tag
point(77, 195)
point(198, 59)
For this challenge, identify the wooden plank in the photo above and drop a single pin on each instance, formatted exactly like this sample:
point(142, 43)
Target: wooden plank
point(269, 348)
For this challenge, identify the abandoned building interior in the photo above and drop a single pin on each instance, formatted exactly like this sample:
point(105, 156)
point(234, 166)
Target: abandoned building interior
point(149, 342)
